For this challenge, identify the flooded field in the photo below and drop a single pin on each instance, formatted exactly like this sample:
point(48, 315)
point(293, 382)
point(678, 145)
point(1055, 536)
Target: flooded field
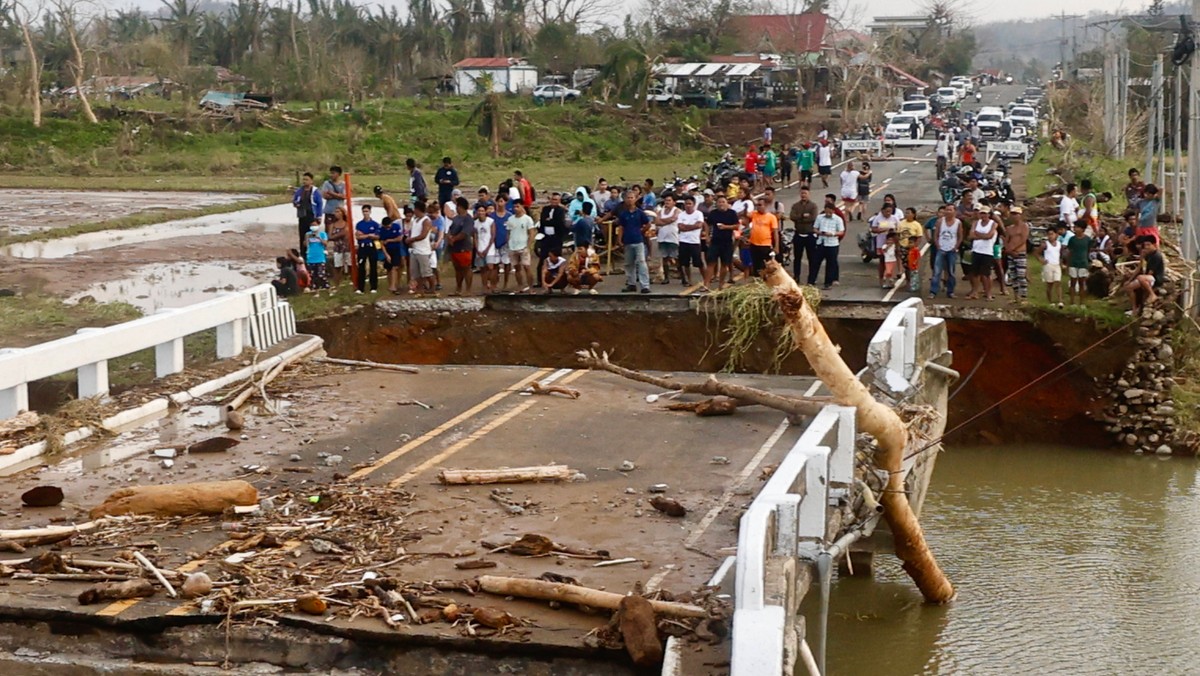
point(164, 285)
point(43, 210)
point(1066, 561)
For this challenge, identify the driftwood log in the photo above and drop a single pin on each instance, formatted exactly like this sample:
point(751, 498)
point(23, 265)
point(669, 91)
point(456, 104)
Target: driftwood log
point(505, 476)
point(584, 596)
point(114, 591)
point(209, 497)
point(872, 417)
point(369, 364)
point(800, 406)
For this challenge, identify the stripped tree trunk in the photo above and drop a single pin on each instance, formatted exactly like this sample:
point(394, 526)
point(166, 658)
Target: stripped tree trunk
point(875, 419)
point(35, 75)
point(76, 66)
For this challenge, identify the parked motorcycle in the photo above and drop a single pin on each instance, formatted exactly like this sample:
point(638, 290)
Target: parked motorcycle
point(866, 246)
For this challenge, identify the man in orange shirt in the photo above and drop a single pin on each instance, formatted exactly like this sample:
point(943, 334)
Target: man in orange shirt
point(764, 236)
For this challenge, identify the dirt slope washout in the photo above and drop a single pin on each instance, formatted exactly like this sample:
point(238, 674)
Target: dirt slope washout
point(1004, 356)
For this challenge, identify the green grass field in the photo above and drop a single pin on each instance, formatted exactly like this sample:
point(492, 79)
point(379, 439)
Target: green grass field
point(556, 146)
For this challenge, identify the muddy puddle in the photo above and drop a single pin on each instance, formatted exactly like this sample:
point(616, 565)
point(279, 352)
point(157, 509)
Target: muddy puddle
point(157, 286)
point(278, 218)
point(43, 210)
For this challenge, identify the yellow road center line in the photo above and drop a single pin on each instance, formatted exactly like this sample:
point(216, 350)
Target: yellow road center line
point(117, 607)
point(441, 429)
point(475, 436)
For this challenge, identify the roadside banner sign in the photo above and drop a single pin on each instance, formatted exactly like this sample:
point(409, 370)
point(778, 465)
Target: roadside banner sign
point(861, 145)
point(1017, 148)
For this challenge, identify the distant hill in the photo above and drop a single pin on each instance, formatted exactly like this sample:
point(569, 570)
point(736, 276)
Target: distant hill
point(1013, 46)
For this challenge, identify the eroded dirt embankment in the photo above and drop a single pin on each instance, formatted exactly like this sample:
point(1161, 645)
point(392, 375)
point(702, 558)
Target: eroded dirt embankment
point(996, 358)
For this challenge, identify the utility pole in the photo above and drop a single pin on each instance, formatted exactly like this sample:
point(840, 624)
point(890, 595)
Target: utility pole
point(1062, 41)
point(1192, 211)
point(1154, 117)
point(1110, 108)
point(1177, 143)
point(1123, 91)
point(1161, 136)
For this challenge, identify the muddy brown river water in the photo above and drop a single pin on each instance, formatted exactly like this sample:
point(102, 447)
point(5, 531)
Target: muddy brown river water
point(1067, 561)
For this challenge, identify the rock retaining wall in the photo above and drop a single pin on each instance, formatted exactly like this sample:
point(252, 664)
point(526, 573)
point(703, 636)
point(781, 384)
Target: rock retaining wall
point(1142, 413)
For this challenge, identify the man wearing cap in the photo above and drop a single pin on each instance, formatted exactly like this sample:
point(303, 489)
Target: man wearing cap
point(706, 202)
point(1016, 238)
point(388, 202)
point(983, 238)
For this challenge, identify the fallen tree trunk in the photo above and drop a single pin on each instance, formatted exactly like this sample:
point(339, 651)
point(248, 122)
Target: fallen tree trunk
point(569, 593)
point(211, 497)
point(505, 476)
point(369, 364)
point(711, 387)
point(875, 419)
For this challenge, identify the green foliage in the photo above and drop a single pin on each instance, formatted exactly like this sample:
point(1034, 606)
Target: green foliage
point(374, 138)
point(32, 318)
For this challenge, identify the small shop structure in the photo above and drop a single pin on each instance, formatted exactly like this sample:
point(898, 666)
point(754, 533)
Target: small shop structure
point(510, 75)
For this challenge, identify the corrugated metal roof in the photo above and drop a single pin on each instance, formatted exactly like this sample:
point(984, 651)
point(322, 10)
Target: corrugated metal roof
point(742, 69)
point(709, 69)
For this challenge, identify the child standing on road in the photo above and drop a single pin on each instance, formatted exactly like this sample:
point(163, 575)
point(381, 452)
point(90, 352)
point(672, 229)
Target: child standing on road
point(1050, 255)
point(315, 241)
point(1077, 264)
point(889, 261)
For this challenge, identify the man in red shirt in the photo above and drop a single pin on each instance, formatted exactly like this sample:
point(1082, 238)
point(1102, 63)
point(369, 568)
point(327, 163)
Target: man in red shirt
point(525, 187)
point(751, 167)
point(967, 151)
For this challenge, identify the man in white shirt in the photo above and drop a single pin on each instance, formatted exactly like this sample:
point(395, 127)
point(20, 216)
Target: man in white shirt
point(691, 226)
point(519, 227)
point(1068, 208)
point(849, 190)
point(943, 154)
point(824, 159)
point(829, 229)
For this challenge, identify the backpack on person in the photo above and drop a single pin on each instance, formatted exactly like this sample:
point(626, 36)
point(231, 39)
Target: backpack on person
point(532, 191)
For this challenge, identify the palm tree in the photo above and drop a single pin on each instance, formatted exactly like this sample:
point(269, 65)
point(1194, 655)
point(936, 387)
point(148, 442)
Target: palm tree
point(182, 24)
point(630, 69)
point(489, 113)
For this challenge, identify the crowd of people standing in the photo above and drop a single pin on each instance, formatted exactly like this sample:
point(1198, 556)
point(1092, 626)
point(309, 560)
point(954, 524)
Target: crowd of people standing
point(707, 239)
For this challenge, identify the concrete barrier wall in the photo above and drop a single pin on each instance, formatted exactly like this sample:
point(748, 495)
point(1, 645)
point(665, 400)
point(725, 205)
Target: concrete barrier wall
point(254, 316)
point(786, 527)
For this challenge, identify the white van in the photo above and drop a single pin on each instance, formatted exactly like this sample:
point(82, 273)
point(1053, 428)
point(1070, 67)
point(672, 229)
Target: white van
point(947, 96)
point(918, 109)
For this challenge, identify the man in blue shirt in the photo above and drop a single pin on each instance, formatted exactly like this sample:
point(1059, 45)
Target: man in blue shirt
point(631, 225)
point(500, 215)
point(391, 236)
point(309, 205)
point(447, 180)
point(366, 233)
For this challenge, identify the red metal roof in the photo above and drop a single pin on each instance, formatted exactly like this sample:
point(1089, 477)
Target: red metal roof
point(740, 58)
point(784, 33)
point(490, 62)
point(911, 78)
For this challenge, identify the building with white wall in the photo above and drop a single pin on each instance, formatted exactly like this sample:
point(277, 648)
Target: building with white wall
point(511, 75)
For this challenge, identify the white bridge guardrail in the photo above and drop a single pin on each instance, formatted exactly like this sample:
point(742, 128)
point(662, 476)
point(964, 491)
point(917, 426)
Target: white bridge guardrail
point(788, 518)
point(254, 315)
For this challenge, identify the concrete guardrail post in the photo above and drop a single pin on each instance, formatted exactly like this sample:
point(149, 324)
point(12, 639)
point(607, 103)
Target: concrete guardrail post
point(168, 358)
point(231, 339)
point(92, 378)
